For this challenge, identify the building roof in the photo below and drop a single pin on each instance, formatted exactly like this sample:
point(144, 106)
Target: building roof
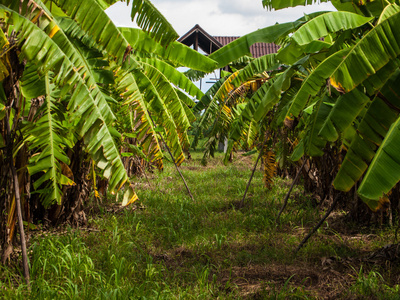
point(199, 38)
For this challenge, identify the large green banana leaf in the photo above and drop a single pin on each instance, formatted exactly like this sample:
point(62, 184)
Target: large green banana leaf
point(76, 55)
point(384, 171)
point(350, 105)
point(257, 66)
point(314, 82)
point(147, 17)
point(168, 94)
point(241, 46)
point(47, 135)
point(151, 20)
point(327, 23)
point(176, 52)
point(380, 45)
point(95, 22)
point(175, 77)
point(311, 143)
point(135, 112)
point(280, 4)
point(349, 67)
point(375, 82)
point(161, 115)
point(166, 91)
point(380, 116)
point(342, 115)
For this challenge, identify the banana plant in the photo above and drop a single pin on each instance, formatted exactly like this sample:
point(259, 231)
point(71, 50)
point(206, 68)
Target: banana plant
point(363, 68)
point(334, 93)
point(75, 84)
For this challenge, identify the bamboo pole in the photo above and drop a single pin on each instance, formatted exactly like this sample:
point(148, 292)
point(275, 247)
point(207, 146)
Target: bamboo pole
point(289, 192)
point(328, 212)
point(254, 169)
point(179, 171)
point(18, 204)
point(173, 159)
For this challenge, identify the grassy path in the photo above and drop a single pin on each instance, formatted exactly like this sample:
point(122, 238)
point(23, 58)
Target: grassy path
point(169, 247)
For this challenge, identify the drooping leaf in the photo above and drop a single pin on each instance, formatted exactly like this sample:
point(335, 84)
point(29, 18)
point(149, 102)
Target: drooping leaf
point(380, 116)
point(148, 18)
point(135, 112)
point(161, 115)
point(327, 23)
point(241, 46)
point(257, 66)
point(380, 45)
point(314, 82)
point(175, 77)
point(346, 109)
point(384, 171)
point(151, 20)
point(45, 136)
point(169, 96)
point(176, 52)
point(280, 4)
point(95, 22)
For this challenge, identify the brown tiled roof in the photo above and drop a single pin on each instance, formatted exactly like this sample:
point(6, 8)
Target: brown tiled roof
point(209, 43)
point(257, 49)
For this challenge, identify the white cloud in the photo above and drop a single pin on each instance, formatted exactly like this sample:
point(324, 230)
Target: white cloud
point(241, 7)
point(217, 17)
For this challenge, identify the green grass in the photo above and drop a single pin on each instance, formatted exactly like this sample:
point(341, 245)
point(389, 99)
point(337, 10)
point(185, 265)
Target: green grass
point(169, 247)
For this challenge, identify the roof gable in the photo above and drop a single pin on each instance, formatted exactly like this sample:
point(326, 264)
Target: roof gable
point(199, 38)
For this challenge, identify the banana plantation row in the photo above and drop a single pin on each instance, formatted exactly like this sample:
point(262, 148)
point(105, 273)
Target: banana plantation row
point(85, 105)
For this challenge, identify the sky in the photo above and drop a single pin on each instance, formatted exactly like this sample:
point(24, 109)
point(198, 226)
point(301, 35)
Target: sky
point(217, 17)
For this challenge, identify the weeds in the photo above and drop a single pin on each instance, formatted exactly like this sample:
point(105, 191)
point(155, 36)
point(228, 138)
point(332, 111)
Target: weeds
point(173, 248)
point(373, 285)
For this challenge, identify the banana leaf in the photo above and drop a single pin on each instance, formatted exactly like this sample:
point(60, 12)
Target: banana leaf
point(328, 23)
point(373, 128)
point(280, 4)
point(176, 52)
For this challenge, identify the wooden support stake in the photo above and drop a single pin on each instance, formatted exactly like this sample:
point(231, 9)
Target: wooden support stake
point(179, 171)
point(290, 190)
point(328, 212)
point(18, 204)
point(254, 169)
point(176, 166)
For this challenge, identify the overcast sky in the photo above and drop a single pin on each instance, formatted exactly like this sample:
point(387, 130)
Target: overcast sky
point(217, 17)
